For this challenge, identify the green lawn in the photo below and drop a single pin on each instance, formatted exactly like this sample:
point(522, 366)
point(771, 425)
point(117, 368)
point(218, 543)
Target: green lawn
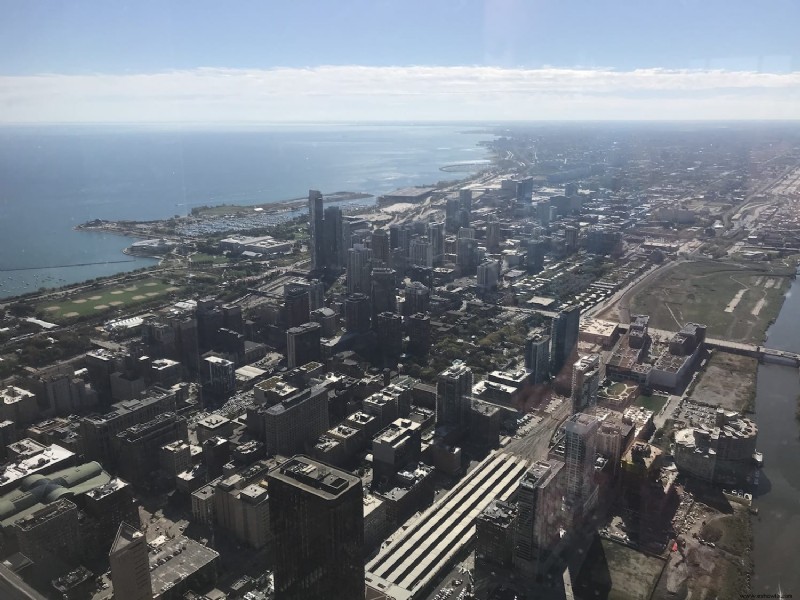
point(652, 402)
point(104, 299)
point(202, 258)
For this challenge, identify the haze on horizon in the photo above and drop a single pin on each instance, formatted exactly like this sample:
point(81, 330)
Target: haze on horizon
point(493, 60)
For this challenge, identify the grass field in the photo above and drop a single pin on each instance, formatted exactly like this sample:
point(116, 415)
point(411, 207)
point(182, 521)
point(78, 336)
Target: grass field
point(93, 302)
point(736, 302)
point(652, 402)
point(201, 258)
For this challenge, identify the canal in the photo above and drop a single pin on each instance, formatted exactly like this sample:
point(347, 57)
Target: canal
point(776, 529)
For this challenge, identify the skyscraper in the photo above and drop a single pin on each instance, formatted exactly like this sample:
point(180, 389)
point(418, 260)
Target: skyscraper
point(539, 517)
point(580, 445)
point(130, 565)
point(421, 252)
point(564, 332)
point(535, 256)
point(453, 394)
point(380, 245)
point(356, 313)
point(492, 233)
point(315, 222)
point(296, 300)
point(452, 218)
point(302, 344)
point(537, 356)
point(317, 517)
point(419, 334)
point(488, 274)
point(585, 381)
point(358, 269)
point(383, 293)
point(436, 237)
point(389, 327)
point(332, 252)
point(418, 298)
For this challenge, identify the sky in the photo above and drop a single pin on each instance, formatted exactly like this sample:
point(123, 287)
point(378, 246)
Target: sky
point(409, 60)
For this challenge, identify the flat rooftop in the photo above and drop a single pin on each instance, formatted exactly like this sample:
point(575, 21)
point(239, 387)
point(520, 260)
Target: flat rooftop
point(177, 560)
point(315, 477)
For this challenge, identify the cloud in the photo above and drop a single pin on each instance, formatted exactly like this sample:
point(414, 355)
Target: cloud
point(349, 93)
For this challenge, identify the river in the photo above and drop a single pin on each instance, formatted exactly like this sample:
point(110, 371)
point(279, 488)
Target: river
point(776, 529)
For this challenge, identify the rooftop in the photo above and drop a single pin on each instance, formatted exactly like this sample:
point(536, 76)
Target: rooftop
point(315, 477)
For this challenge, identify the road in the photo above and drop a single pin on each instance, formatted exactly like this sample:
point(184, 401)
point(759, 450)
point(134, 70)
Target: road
point(534, 445)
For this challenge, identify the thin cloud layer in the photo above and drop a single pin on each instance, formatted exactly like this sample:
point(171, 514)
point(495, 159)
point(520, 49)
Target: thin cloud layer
point(347, 93)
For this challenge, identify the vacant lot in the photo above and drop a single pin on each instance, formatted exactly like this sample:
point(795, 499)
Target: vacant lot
point(728, 381)
point(736, 302)
point(102, 299)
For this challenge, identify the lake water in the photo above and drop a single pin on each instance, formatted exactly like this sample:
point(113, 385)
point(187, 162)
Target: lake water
point(53, 178)
point(776, 529)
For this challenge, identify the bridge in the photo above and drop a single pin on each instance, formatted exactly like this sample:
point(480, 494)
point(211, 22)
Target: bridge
point(762, 353)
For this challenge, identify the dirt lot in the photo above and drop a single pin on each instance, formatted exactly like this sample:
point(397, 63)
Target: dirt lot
point(736, 302)
point(617, 572)
point(728, 381)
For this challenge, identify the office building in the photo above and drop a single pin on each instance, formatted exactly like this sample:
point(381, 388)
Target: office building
point(383, 292)
point(379, 243)
point(389, 328)
point(138, 447)
point(328, 321)
point(537, 356)
point(564, 335)
point(356, 313)
point(359, 259)
point(332, 250)
point(488, 275)
point(535, 256)
point(317, 518)
point(539, 517)
point(219, 378)
point(419, 334)
point(302, 344)
point(436, 238)
point(316, 231)
point(453, 395)
point(130, 565)
point(288, 426)
point(493, 234)
point(585, 381)
point(467, 254)
point(51, 532)
point(421, 252)
point(494, 529)
point(397, 446)
point(571, 238)
point(580, 447)
point(296, 302)
point(417, 298)
point(452, 215)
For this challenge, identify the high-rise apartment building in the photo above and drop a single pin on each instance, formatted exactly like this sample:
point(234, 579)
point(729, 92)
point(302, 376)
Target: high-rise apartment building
point(564, 332)
point(436, 237)
point(421, 252)
point(383, 292)
point(537, 356)
point(539, 517)
point(297, 304)
point(379, 244)
point(317, 518)
point(356, 313)
point(453, 394)
point(585, 381)
point(488, 275)
point(580, 445)
point(359, 259)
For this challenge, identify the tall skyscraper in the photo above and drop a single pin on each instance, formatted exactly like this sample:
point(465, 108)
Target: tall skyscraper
point(465, 207)
point(317, 517)
point(421, 252)
point(436, 237)
point(488, 275)
point(418, 298)
point(380, 245)
point(564, 332)
point(537, 356)
point(356, 313)
point(580, 446)
point(383, 293)
point(539, 517)
point(452, 217)
point(467, 255)
point(419, 334)
point(585, 381)
point(315, 222)
point(493, 233)
point(332, 250)
point(130, 565)
point(454, 394)
point(389, 327)
point(571, 238)
point(296, 301)
point(302, 344)
point(358, 269)
point(535, 256)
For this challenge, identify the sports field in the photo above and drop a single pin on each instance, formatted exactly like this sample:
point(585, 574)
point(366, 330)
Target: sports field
point(103, 299)
point(736, 302)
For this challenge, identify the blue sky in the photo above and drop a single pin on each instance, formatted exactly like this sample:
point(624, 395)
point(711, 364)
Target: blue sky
point(299, 60)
